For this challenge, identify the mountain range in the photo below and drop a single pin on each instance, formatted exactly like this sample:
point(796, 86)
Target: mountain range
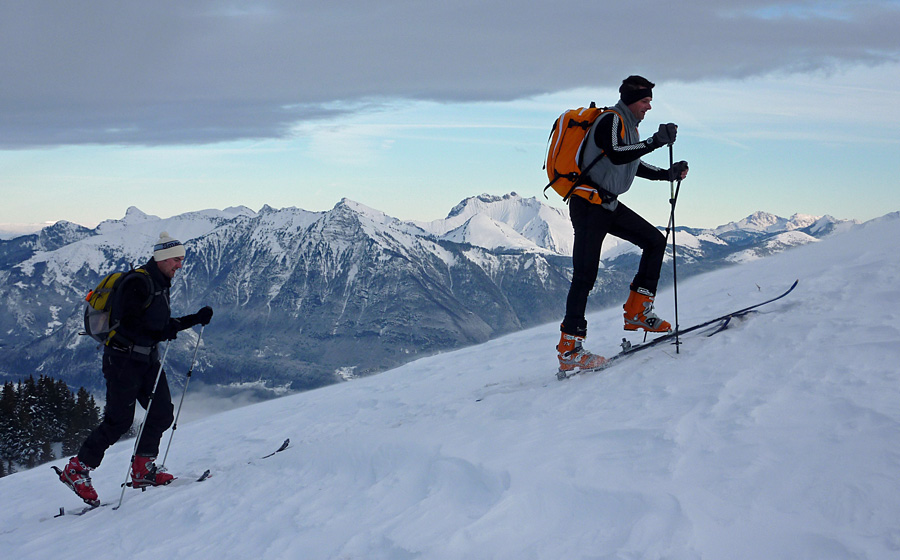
point(304, 299)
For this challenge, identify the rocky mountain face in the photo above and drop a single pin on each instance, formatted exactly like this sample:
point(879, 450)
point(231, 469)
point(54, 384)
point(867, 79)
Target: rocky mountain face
point(303, 299)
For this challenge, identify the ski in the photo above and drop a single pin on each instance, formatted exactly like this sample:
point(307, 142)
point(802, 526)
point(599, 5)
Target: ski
point(629, 348)
point(206, 474)
point(91, 507)
point(82, 511)
point(284, 446)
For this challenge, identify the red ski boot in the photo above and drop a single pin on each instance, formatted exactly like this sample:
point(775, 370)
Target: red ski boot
point(144, 472)
point(573, 357)
point(76, 475)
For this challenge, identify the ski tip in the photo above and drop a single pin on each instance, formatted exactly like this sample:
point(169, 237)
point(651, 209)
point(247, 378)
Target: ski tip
point(284, 445)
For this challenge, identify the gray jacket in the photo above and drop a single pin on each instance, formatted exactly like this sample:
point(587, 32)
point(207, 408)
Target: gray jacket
point(617, 169)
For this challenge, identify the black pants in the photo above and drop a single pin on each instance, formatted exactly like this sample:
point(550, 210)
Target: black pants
point(592, 223)
point(128, 381)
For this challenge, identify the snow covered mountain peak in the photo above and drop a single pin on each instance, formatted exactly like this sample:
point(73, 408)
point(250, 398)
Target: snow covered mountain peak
point(134, 214)
point(482, 202)
point(238, 211)
point(766, 223)
point(508, 221)
point(374, 223)
point(758, 221)
point(798, 221)
point(362, 210)
point(483, 231)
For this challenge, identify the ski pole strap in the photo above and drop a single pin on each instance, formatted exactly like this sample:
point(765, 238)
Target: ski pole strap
point(674, 200)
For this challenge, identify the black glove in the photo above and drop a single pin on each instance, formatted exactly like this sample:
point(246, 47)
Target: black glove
point(170, 332)
point(678, 170)
point(204, 316)
point(665, 135)
point(201, 317)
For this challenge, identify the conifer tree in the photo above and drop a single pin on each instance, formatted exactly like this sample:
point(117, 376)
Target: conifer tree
point(45, 414)
point(35, 415)
point(84, 417)
point(28, 446)
point(8, 427)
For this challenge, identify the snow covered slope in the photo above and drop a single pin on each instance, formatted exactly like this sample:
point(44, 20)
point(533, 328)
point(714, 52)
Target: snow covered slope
point(775, 439)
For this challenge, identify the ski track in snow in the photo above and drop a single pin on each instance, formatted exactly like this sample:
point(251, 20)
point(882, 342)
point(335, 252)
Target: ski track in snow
point(774, 439)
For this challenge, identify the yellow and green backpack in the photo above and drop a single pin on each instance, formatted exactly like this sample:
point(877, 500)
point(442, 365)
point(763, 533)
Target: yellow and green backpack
point(100, 301)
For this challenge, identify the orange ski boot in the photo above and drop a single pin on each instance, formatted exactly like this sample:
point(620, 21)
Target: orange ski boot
point(639, 313)
point(573, 357)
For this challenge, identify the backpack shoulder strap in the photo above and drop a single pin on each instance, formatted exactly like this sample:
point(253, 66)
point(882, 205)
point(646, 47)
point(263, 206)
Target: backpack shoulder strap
point(593, 133)
point(143, 274)
point(595, 129)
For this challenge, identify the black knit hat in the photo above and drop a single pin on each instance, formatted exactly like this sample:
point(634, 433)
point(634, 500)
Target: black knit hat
point(635, 88)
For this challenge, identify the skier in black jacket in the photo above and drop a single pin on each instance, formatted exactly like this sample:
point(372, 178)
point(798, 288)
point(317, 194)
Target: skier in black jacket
point(596, 212)
point(130, 365)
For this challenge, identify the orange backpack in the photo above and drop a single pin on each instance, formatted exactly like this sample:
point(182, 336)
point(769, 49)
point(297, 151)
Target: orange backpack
point(567, 176)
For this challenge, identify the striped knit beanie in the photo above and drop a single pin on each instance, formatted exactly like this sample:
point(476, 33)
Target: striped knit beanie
point(167, 248)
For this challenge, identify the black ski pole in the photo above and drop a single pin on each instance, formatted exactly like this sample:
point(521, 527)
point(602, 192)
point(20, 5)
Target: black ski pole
point(183, 393)
point(144, 421)
point(673, 193)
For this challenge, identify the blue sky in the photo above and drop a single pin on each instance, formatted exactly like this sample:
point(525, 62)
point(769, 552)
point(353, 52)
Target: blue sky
point(782, 106)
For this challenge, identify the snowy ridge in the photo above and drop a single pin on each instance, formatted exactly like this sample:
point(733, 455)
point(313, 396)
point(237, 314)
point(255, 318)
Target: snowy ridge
point(142, 231)
point(769, 223)
point(774, 439)
point(775, 244)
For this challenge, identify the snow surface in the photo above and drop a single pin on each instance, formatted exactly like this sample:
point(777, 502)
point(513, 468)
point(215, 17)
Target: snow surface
point(775, 439)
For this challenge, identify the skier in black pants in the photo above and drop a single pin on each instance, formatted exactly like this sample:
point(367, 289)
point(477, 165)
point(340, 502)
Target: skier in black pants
point(130, 366)
point(596, 211)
